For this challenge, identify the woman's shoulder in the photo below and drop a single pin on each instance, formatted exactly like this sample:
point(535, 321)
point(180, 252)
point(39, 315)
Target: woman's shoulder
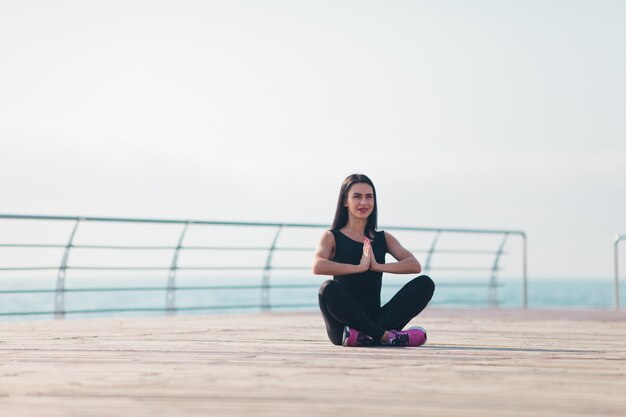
point(330, 233)
point(381, 238)
point(327, 239)
point(379, 234)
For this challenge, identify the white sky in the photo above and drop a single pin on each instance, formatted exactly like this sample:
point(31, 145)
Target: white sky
point(477, 114)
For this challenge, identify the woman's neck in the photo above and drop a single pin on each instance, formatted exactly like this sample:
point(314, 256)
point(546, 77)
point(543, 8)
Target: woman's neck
point(356, 227)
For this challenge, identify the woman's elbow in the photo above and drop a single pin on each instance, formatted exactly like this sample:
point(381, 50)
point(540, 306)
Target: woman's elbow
point(418, 267)
point(316, 269)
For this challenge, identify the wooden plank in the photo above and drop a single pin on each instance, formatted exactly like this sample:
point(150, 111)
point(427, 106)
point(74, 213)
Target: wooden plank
point(476, 363)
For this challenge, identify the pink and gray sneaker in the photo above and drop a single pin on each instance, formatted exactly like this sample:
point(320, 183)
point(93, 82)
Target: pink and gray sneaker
point(353, 337)
point(413, 337)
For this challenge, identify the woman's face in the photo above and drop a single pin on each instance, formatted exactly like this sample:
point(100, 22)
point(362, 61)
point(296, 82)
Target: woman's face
point(360, 200)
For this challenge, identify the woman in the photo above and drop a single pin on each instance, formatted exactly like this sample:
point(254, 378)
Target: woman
point(354, 252)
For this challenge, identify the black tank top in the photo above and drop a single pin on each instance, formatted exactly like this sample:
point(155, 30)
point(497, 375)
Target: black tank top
point(364, 287)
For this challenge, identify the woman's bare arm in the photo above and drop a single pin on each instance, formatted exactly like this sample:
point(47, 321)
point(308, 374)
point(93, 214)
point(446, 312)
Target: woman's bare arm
point(322, 265)
point(406, 262)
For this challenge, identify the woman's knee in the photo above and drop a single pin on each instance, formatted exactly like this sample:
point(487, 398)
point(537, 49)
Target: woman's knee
point(429, 283)
point(425, 284)
point(326, 286)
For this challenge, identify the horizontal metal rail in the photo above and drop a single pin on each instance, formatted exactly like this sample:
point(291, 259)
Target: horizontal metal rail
point(616, 241)
point(222, 287)
point(175, 267)
point(155, 309)
point(164, 309)
point(230, 248)
point(192, 308)
point(212, 268)
point(247, 224)
point(160, 268)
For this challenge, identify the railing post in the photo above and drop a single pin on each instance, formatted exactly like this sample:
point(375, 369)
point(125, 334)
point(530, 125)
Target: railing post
point(430, 252)
point(525, 274)
point(267, 271)
point(616, 256)
point(170, 294)
point(493, 284)
point(59, 294)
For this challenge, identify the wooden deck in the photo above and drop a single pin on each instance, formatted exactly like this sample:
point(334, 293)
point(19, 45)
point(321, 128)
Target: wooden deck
point(476, 363)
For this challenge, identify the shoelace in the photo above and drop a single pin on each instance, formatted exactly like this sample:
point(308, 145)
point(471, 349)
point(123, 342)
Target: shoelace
point(363, 339)
point(401, 339)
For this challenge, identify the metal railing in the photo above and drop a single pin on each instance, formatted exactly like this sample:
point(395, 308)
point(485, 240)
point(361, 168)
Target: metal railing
point(171, 288)
point(617, 239)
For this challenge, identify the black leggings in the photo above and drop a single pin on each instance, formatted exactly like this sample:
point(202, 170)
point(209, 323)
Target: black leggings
point(340, 309)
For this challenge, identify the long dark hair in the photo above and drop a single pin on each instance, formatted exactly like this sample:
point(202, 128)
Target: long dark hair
point(341, 214)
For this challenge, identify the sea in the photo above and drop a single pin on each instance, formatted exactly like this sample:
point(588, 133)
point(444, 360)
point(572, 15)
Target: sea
point(34, 299)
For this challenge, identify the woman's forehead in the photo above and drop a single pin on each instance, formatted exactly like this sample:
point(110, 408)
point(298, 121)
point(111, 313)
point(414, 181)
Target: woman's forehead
point(361, 188)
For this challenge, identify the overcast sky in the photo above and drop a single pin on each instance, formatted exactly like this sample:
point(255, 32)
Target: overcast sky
point(477, 114)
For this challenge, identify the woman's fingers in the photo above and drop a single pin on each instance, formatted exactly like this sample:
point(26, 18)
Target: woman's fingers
point(367, 244)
